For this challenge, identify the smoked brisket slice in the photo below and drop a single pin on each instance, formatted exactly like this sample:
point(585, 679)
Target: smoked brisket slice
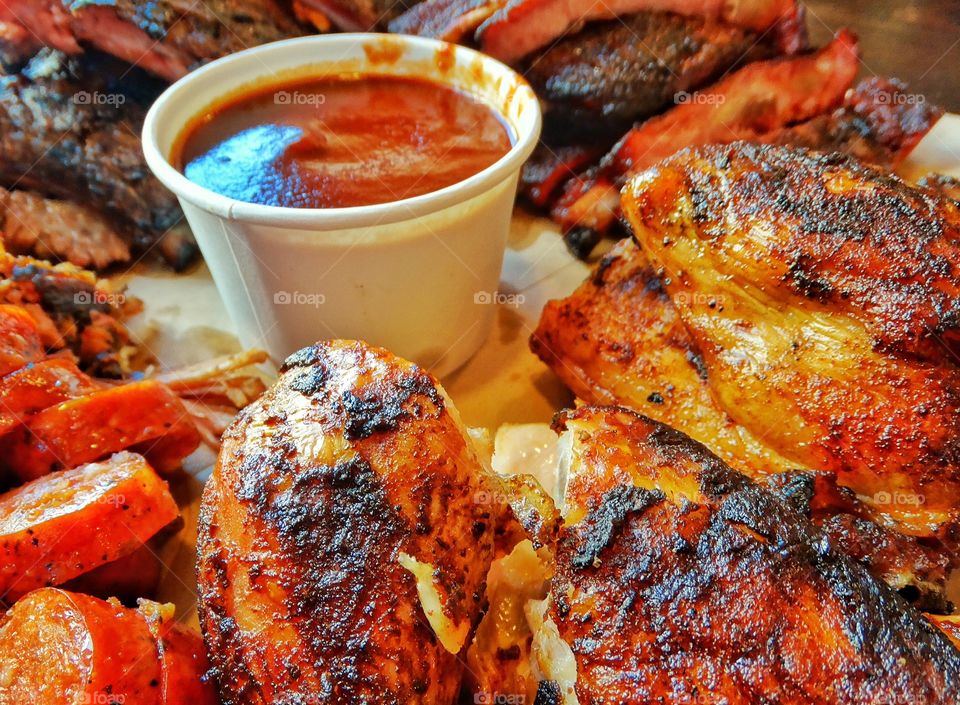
point(67, 132)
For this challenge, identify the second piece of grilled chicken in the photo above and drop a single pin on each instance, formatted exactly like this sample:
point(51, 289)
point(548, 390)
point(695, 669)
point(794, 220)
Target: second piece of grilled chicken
point(679, 580)
point(345, 537)
point(618, 339)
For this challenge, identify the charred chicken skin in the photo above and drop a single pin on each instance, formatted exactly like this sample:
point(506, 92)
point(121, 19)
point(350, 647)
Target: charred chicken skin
point(679, 580)
point(342, 549)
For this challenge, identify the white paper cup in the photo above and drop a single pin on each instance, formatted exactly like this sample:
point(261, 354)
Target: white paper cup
point(418, 276)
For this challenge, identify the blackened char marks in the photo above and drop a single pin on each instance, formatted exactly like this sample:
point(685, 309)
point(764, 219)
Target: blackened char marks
point(818, 289)
point(716, 478)
point(213, 28)
point(599, 275)
point(313, 518)
point(606, 520)
point(262, 473)
point(696, 360)
point(310, 356)
point(341, 531)
point(218, 584)
point(376, 405)
point(917, 567)
point(61, 297)
point(311, 380)
point(410, 396)
point(548, 693)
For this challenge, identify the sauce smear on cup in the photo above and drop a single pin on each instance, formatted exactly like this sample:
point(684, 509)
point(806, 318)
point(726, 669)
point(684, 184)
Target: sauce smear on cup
point(341, 141)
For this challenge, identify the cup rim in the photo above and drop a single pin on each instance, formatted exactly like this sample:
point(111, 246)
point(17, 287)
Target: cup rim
point(528, 134)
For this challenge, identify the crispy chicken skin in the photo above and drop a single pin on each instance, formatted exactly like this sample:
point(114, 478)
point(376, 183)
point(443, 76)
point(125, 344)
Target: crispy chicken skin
point(342, 546)
point(824, 298)
point(680, 580)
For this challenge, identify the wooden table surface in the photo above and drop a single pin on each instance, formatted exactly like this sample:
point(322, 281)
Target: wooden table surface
point(918, 41)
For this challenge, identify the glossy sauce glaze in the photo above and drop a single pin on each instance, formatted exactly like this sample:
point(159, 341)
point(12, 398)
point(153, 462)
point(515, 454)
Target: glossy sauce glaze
point(341, 141)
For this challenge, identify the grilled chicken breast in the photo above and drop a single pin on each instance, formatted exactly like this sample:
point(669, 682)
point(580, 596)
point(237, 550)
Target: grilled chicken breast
point(345, 537)
point(679, 580)
point(619, 340)
point(824, 298)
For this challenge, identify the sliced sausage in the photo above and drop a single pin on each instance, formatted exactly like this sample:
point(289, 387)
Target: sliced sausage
point(38, 386)
point(183, 659)
point(60, 647)
point(136, 415)
point(67, 523)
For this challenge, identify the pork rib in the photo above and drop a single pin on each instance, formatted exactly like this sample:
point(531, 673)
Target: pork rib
point(615, 73)
point(879, 122)
point(359, 15)
point(759, 98)
point(521, 27)
point(512, 29)
point(449, 20)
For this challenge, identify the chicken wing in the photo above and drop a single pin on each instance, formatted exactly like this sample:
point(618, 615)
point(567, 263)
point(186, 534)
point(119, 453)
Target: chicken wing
point(345, 537)
point(679, 580)
point(824, 298)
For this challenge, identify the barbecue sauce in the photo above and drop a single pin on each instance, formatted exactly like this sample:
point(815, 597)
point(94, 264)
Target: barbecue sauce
point(341, 141)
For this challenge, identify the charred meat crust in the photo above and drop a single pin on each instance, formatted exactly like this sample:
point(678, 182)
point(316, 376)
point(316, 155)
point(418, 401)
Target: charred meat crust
point(210, 29)
point(165, 37)
point(880, 122)
point(350, 460)
point(618, 339)
point(378, 409)
point(917, 567)
point(725, 590)
point(614, 73)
